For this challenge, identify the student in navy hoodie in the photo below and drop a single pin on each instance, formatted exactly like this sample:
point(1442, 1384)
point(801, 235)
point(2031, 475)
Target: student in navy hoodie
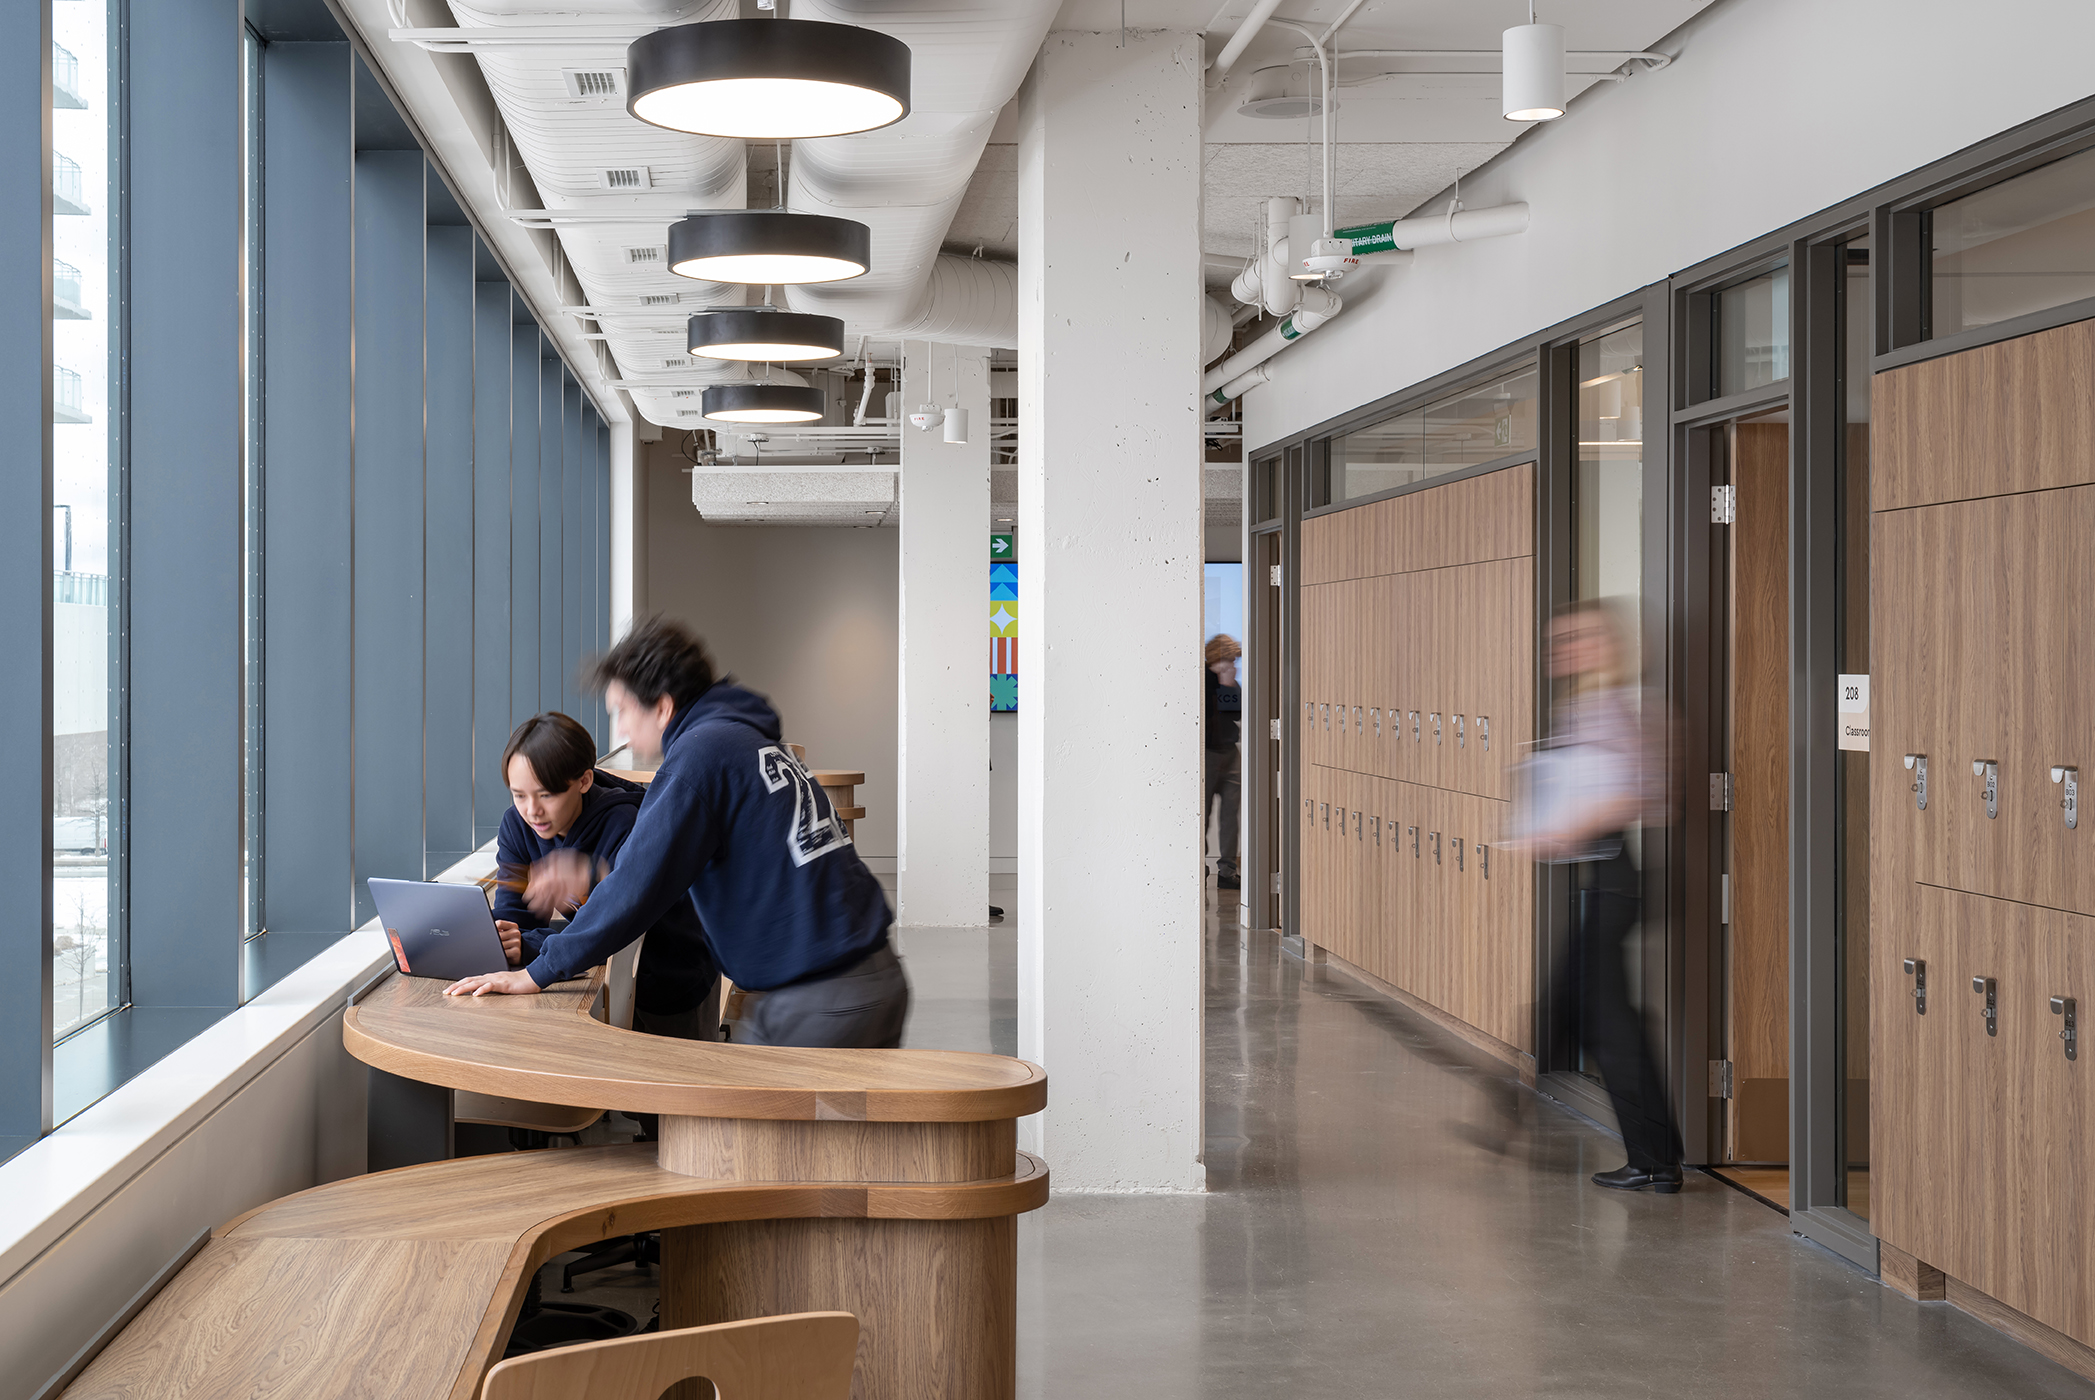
point(734, 825)
point(564, 830)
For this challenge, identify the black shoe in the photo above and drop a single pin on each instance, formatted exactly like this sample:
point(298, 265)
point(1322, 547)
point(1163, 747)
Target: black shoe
point(1664, 1180)
point(995, 913)
point(1227, 880)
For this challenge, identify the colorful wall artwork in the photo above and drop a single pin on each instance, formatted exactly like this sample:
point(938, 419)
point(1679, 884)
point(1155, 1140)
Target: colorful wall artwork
point(1003, 625)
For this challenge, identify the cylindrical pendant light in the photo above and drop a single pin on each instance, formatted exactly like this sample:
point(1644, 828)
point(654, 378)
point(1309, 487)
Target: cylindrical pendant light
point(758, 333)
point(956, 425)
point(762, 403)
point(766, 246)
point(1534, 90)
point(768, 79)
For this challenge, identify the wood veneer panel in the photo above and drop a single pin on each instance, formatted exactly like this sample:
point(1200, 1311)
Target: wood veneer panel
point(732, 1149)
point(1758, 965)
point(2016, 416)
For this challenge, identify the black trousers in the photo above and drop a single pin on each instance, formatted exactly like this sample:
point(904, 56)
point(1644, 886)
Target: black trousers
point(1610, 1027)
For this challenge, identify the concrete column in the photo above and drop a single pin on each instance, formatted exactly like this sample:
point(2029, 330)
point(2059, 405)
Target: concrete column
point(1109, 902)
point(942, 757)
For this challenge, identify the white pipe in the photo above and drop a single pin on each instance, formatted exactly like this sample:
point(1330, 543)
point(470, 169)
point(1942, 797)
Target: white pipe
point(1246, 32)
point(1276, 290)
point(1454, 226)
point(1654, 61)
point(1324, 72)
point(1236, 389)
point(1318, 306)
point(859, 421)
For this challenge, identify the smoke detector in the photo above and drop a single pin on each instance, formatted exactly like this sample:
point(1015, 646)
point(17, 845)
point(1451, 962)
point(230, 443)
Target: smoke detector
point(1270, 98)
point(927, 417)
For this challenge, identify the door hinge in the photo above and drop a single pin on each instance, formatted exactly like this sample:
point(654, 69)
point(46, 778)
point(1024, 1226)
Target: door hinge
point(1720, 1079)
point(1276, 882)
point(1273, 574)
point(1723, 505)
point(1275, 725)
point(1720, 792)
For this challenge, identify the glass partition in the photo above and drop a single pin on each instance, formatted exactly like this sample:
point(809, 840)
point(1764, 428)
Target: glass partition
point(1483, 423)
point(1751, 327)
point(2020, 246)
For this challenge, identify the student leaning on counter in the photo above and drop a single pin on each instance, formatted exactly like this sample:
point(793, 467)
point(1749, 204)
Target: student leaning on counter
point(563, 832)
point(735, 825)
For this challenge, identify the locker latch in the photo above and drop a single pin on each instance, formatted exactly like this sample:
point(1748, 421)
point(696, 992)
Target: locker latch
point(1326, 708)
point(1358, 725)
point(1436, 728)
point(1990, 770)
point(1327, 816)
point(1376, 715)
point(1918, 762)
point(1456, 842)
point(1984, 987)
point(1414, 726)
point(1917, 969)
point(1436, 848)
point(2071, 800)
point(1414, 841)
point(2070, 1032)
point(1360, 829)
point(1377, 824)
point(1461, 739)
point(1484, 859)
point(1484, 731)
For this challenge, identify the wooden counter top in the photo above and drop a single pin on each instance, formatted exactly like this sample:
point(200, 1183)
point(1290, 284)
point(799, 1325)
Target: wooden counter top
point(548, 1049)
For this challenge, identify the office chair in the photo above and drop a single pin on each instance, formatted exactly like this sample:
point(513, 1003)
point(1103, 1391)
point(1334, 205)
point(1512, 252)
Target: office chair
point(804, 1356)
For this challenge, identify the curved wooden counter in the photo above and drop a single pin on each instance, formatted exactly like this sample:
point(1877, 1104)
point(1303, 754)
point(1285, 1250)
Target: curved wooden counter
point(405, 1284)
point(932, 1275)
point(548, 1049)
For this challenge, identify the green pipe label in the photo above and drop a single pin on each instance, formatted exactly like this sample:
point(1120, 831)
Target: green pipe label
point(1288, 330)
point(1369, 238)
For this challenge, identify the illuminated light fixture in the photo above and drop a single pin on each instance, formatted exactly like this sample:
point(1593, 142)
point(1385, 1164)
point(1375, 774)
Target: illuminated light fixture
point(762, 403)
point(760, 247)
point(768, 79)
point(1534, 80)
point(758, 333)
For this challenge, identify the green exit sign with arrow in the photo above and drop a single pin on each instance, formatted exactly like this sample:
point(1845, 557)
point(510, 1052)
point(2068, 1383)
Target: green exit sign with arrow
point(1000, 547)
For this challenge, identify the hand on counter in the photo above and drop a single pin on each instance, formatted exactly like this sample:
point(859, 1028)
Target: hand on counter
point(500, 984)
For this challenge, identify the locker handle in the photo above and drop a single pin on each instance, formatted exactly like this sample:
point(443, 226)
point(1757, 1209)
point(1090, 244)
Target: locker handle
point(1376, 715)
point(1436, 727)
point(1484, 731)
point(1414, 727)
point(1984, 987)
point(1461, 739)
point(1918, 763)
point(1359, 825)
point(1484, 859)
point(1436, 848)
point(1989, 769)
point(1456, 842)
point(2071, 800)
point(1917, 969)
point(2070, 1032)
point(1357, 726)
point(1377, 824)
point(1414, 841)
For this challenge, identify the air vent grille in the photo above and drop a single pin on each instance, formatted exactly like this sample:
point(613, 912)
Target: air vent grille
point(626, 177)
point(687, 413)
point(598, 84)
point(683, 393)
point(662, 299)
point(644, 255)
point(676, 364)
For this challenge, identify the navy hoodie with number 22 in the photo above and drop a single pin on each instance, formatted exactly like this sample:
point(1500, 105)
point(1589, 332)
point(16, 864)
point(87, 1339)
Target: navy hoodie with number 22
point(736, 825)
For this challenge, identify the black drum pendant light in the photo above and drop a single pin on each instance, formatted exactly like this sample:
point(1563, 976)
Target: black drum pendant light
point(769, 246)
point(762, 403)
point(768, 79)
point(759, 333)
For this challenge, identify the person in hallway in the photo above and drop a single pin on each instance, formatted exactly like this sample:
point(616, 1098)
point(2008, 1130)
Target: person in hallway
point(736, 826)
point(1598, 782)
point(1225, 704)
point(564, 830)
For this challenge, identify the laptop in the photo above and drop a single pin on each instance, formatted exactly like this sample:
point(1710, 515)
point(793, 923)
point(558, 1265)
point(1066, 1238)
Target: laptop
point(444, 931)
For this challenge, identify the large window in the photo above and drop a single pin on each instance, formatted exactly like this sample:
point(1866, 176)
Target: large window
point(1483, 423)
point(87, 807)
point(2023, 245)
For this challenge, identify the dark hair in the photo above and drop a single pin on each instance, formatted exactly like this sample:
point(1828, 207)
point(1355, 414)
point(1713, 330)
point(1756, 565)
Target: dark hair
point(657, 658)
point(558, 747)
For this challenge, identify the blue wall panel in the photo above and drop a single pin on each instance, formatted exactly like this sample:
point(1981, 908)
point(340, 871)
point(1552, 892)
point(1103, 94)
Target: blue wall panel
point(389, 518)
point(308, 489)
point(491, 392)
point(449, 558)
point(577, 545)
point(551, 440)
point(184, 554)
point(523, 525)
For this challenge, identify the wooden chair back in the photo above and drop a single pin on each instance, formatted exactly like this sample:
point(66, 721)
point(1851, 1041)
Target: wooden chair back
point(804, 1356)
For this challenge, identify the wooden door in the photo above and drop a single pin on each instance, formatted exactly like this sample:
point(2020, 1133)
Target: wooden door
point(1757, 965)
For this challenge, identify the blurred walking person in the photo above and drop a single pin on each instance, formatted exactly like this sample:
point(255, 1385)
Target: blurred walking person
point(1225, 705)
point(1600, 778)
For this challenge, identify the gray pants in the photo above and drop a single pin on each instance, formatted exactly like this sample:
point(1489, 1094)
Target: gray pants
point(861, 1007)
point(1221, 782)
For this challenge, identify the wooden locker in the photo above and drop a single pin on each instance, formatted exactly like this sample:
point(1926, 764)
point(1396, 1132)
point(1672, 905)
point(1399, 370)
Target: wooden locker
point(2056, 1106)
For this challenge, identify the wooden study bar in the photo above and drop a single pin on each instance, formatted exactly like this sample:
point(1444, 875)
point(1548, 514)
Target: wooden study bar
point(884, 1183)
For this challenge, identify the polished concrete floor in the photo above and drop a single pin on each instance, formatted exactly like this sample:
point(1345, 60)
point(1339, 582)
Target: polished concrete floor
point(1389, 1214)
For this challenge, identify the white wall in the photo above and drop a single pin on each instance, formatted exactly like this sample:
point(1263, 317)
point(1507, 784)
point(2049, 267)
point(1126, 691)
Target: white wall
point(1773, 110)
point(807, 615)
